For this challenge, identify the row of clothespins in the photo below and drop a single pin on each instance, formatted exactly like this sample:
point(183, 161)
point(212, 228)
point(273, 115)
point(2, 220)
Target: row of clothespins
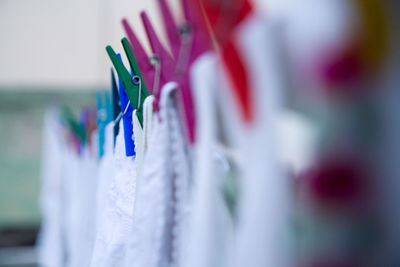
point(208, 26)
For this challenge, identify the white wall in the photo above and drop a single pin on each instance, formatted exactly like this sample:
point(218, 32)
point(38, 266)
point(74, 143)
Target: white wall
point(56, 44)
point(50, 44)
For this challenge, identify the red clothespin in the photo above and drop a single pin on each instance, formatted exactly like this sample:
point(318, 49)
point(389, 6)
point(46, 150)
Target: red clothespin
point(224, 16)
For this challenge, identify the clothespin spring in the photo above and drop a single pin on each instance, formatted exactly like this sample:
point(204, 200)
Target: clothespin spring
point(122, 114)
point(137, 81)
point(185, 51)
point(155, 61)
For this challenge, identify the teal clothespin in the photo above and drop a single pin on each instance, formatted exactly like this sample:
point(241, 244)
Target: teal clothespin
point(135, 86)
point(109, 107)
point(101, 122)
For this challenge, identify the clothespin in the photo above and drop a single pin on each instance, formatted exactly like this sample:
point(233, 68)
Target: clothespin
point(135, 87)
point(126, 115)
point(101, 123)
point(163, 62)
point(170, 28)
point(224, 16)
point(83, 122)
point(196, 30)
point(89, 122)
point(116, 104)
point(72, 124)
point(187, 44)
point(141, 56)
point(109, 107)
point(194, 38)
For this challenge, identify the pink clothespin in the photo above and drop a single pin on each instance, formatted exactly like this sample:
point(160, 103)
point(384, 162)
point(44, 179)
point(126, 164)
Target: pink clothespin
point(170, 28)
point(194, 38)
point(163, 62)
point(187, 44)
point(201, 42)
point(141, 56)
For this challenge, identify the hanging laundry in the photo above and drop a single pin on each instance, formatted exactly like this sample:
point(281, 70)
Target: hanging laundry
point(115, 227)
point(51, 248)
point(106, 172)
point(152, 234)
point(250, 139)
point(211, 226)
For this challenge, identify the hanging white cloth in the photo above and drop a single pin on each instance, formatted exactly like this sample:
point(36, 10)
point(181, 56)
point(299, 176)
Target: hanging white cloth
point(148, 111)
point(141, 133)
point(263, 215)
point(81, 198)
point(50, 241)
point(211, 226)
point(181, 170)
point(154, 207)
point(115, 227)
point(71, 204)
point(106, 172)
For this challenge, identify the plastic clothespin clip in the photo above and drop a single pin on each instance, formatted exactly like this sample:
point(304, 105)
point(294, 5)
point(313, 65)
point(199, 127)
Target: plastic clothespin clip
point(170, 28)
point(224, 17)
point(143, 61)
point(126, 116)
point(182, 51)
point(109, 107)
point(76, 134)
point(72, 124)
point(163, 62)
point(89, 122)
point(101, 123)
point(135, 87)
point(83, 122)
point(116, 104)
point(195, 30)
point(187, 44)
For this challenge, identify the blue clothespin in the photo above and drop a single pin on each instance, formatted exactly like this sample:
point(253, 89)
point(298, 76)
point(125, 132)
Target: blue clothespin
point(84, 123)
point(116, 104)
point(127, 110)
point(101, 123)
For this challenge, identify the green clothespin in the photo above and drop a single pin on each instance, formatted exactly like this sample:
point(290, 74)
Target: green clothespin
point(135, 86)
point(68, 117)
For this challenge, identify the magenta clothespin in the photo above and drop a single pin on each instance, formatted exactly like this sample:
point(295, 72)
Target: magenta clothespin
point(141, 56)
point(187, 44)
point(170, 28)
point(200, 42)
point(194, 38)
point(166, 64)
